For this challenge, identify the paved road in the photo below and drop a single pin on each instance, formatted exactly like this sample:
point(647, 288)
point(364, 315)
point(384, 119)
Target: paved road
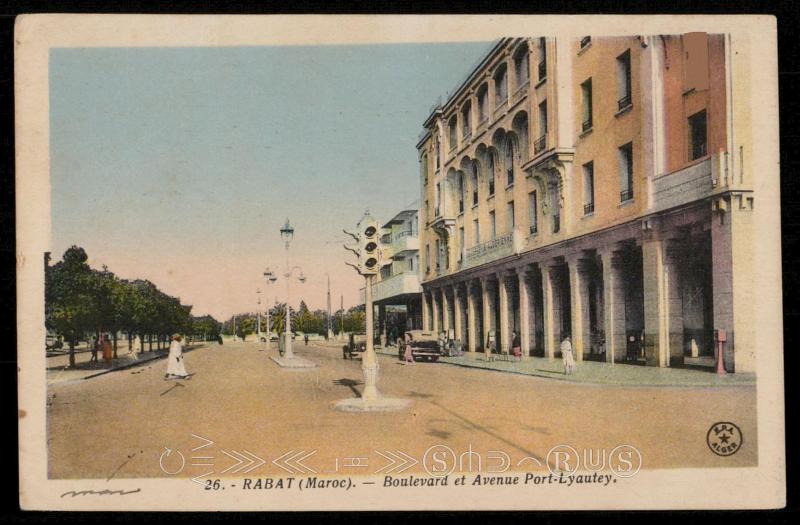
point(118, 425)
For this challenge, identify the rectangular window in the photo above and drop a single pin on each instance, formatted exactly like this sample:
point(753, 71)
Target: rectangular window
point(626, 172)
point(542, 59)
point(462, 246)
point(698, 136)
point(437, 202)
point(452, 134)
point(490, 173)
point(586, 95)
point(477, 228)
point(510, 213)
point(410, 264)
point(541, 143)
point(424, 168)
point(466, 120)
point(483, 102)
point(624, 80)
point(460, 193)
point(533, 213)
point(493, 225)
point(588, 188)
point(427, 258)
point(438, 256)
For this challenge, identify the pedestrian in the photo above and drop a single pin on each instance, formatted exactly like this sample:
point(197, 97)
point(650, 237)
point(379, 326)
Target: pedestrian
point(409, 355)
point(305, 338)
point(175, 367)
point(95, 347)
point(567, 357)
point(107, 349)
point(132, 349)
point(516, 346)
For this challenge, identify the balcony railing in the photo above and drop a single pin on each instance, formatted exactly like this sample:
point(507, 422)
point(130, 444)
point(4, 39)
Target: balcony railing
point(586, 125)
point(624, 102)
point(588, 208)
point(402, 234)
point(625, 195)
point(542, 70)
point(499, 244)
point(556, 223)
point(585, 41)
point(533, 229)
point(540, 144)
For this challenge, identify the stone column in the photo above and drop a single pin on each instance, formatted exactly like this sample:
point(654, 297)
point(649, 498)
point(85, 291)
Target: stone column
point(613, 306)
point(445, 311)
point(435, 311)
point(426, 319)
point(504, 329)
point(472, 343)
point(524, 313)
point(674, 304)
point(579, 303)
point(733, 266)
point(548, 313)
point(487, 313)
point(458, 314)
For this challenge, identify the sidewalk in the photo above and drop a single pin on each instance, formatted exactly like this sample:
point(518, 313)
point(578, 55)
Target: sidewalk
point(591, 372)
point(84, 369)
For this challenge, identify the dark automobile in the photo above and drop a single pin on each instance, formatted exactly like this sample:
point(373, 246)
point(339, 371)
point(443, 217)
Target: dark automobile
point(356, 344)
point(424, 345)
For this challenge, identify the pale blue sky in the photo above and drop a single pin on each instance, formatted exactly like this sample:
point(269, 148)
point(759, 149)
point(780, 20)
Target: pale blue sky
point(180, 164)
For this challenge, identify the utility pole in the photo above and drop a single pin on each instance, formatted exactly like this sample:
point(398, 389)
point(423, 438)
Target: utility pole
point(341, 316)
point(330, 329)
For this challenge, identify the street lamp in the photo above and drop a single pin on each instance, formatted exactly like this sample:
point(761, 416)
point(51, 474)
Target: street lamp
point(271, 278)
point(287, 233)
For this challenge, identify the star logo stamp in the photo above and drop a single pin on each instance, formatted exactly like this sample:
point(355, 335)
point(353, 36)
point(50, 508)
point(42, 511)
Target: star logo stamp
point(724, 438)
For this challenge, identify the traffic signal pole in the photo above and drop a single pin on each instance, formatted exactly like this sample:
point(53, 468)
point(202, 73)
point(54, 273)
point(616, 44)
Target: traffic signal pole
point(369, 361)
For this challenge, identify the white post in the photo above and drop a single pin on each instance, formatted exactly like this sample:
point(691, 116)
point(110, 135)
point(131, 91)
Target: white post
point(287, 335)
point(369, 362)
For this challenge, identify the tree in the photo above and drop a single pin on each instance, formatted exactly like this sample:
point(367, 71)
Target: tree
point(70, 300)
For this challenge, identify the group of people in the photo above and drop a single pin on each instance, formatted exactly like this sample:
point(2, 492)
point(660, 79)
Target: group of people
point(104, 346)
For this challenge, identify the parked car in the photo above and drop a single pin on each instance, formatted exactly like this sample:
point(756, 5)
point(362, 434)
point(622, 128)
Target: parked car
point(424, 345)
point(356, 344)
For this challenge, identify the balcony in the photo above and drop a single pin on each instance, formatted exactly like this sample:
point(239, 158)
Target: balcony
point(692, 183)
point(396, 285)
point(503, 246)
point(540, 144)
point(624, 103)
point(588, 208)
point(626, 195)
point(533, 229)
point(586, 125)
point(404, 241)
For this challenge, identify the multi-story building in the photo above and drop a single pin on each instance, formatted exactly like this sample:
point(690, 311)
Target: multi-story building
point(397, 292)
point(599, 188)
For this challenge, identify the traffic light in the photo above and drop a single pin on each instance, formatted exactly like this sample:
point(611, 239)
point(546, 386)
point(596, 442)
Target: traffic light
point(372, 255)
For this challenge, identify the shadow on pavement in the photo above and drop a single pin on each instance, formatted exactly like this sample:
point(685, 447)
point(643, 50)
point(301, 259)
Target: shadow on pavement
point(350, 383)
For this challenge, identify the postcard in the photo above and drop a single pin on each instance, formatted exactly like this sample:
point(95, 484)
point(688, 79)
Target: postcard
point(398, 263)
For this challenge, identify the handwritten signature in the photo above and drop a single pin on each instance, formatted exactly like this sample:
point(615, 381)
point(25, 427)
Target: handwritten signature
point(104, 492)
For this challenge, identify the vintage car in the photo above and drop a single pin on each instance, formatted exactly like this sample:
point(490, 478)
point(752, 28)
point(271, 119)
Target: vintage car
point(424, 345)
point(356, 344)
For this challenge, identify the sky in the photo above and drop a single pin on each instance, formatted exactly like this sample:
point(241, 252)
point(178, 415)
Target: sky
point(180, 165)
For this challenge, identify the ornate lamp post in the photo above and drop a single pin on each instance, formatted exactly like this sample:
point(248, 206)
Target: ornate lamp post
point(271, 278)
point(287, 234)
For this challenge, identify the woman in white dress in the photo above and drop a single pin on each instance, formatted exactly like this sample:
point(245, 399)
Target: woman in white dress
point(567, 357)
point(175, 366)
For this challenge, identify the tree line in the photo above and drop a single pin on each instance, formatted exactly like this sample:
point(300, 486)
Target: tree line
point(303, 320)
point(81, 300)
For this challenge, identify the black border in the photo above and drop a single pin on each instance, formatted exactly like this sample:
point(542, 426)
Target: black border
point(788, 17)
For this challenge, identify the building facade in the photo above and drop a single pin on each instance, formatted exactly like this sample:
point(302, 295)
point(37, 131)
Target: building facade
point(597, 188)
point(397, 293)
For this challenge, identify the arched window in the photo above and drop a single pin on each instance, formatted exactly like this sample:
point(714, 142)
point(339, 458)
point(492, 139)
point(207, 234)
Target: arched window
point(483, 102)
point(521, 65)
point(509, 162)
point(474, 183)
point(460, 192)
point(490, 172)
point(500, 87)
point(466, 120)
point(452, 132)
